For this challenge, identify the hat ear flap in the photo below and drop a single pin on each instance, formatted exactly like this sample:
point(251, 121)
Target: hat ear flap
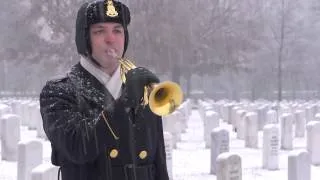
point(82, 30)
point(126, 41)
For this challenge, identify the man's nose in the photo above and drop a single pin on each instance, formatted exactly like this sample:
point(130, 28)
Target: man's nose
point(109, 37)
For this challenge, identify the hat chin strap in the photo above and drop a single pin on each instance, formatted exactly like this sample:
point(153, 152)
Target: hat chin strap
point(94, 61)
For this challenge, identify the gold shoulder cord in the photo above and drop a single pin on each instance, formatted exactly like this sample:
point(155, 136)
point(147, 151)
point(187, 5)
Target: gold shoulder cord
point(112, 132)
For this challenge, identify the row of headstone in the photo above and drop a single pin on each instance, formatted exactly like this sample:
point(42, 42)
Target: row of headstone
point(174, 125)
point(229, 166)
point(168, 148)
point(27, 154)
point(243, 119)
point(10, 136)
point(28, 110)
point(277, 134)
point(30, 162)
point(4, 109)
point(227, 110)
point(176, 122)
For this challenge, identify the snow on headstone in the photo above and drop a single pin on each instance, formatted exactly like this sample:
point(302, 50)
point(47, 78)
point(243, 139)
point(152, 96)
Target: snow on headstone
point(168, 148)
point(45, 171)
point(313, 145)
point(251, 130)
point(219, 144)
point(286, 131)
point(270, 147)
point(211, 121)
point(10, 133)
point(240, 124)
point(299, 165)
point(29, 156)
point(300, 123)
point(229, 167)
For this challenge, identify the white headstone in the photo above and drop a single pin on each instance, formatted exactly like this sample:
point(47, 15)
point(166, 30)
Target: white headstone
point(45, 171)
point(224, 112)
point(313, 145)
point(172, 126)
point(211, 121)
point(178, 123)
point(29, 156)
point(299, 165)
point(272, 117)
point(229, 167)
point(184, 116)
point(229, 113)
point(309, 113)
point(168, 148)
point(39, 125)
point(25, 113)
point(271, 147)
point(286, 131)
point(251, 130)
point(300, 123)
point(4, 109)
point(33, 116)
point(219, 144)
point(10, 133)
point(317, 117)
point(240, 124)
point(262, 113)
point(233, 115)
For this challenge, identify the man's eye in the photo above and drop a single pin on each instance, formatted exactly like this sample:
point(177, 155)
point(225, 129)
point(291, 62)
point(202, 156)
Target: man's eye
point(98, 32)
point(118, 31)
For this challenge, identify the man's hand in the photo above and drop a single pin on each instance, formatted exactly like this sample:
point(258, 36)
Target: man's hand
point(136, 80)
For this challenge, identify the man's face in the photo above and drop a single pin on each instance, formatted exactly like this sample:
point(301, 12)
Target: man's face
point(107, 41)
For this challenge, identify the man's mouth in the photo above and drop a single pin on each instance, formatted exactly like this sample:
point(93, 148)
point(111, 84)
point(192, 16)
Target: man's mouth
point(111, 52)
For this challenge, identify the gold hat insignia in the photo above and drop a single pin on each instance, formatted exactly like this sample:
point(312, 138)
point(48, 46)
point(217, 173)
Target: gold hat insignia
point(111, 10)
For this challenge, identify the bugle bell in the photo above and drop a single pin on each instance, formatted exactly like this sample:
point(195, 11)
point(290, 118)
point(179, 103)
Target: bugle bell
point(163, 98)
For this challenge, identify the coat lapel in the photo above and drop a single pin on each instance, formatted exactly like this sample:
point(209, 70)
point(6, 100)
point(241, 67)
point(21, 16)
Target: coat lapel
point(89, 87)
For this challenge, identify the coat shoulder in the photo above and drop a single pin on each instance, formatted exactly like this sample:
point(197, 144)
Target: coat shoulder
point(58, 80)
point(57, 84)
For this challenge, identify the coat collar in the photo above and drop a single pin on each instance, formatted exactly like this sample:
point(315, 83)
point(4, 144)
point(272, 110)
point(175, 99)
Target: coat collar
point(89, 86)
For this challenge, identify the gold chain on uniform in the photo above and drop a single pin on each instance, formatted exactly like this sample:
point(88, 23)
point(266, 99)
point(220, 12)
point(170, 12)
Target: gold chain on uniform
point(112, 132)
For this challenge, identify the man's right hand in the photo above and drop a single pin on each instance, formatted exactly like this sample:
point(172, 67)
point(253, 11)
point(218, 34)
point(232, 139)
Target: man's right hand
point(136, 80)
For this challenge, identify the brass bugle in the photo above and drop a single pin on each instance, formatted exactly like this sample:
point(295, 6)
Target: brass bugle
point(163, 98)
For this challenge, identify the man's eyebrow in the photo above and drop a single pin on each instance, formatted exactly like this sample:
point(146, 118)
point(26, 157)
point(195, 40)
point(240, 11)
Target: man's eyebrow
point(118, 26)
point(97, 26)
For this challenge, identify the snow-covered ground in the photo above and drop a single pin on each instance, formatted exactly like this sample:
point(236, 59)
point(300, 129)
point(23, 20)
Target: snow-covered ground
point(191, 160)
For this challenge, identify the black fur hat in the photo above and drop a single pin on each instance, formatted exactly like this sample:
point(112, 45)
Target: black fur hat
point(97, 12)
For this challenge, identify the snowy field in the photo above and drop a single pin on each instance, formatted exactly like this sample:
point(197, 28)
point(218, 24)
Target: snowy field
point(191, 160)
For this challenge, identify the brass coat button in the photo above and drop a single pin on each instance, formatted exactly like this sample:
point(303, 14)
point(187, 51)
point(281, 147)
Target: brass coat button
point(114, 153)
point(143, 154)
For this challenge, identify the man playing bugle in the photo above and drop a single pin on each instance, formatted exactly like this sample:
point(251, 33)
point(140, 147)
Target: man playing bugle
point(96, 124)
